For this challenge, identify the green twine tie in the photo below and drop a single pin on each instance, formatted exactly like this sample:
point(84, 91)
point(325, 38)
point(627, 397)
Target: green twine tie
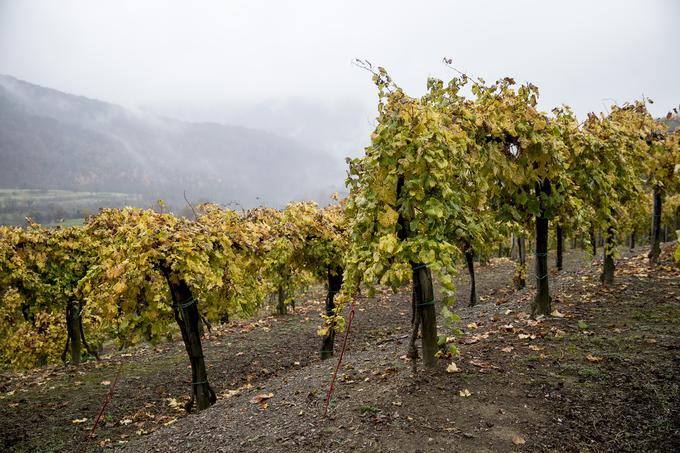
point(188, 303)
point(425, 304)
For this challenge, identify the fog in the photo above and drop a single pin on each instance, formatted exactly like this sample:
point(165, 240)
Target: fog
point(287, 66)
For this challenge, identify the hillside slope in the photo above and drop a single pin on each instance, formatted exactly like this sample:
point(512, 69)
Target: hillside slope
point(54, 140)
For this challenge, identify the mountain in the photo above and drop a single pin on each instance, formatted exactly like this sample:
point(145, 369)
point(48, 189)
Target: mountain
point(342, 127)
point(54, 140)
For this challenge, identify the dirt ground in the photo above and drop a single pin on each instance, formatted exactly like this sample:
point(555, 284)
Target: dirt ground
point(601, 375)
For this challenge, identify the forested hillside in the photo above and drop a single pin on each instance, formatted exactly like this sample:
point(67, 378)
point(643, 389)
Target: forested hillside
point(54, 140)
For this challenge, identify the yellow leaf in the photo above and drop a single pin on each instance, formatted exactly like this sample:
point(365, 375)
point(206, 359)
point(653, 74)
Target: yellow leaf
point(465, 393)
point(452, 368)
point(388, 217)
point(388, 243)
point(230, 393)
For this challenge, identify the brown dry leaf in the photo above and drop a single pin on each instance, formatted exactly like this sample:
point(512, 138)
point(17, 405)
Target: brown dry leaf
point(593, 359)
point(533, 347)
point(482, 364)
point(105, 382)
point(518, 440)
point(507, 349)
point(79, 421)
point(472, 325)
point(465, 393)
point(261, 398)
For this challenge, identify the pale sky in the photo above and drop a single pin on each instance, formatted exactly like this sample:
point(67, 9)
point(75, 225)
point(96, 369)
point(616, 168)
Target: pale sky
point(161, 52)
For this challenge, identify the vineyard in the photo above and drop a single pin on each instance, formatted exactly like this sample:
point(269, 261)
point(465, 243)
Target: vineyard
point(472, 176)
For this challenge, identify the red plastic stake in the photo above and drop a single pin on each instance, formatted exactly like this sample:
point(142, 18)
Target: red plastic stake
point(340, 356)
point(108, 398)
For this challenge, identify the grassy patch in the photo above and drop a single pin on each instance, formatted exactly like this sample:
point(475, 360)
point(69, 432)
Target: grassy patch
point(367, 409)
point(587, 372)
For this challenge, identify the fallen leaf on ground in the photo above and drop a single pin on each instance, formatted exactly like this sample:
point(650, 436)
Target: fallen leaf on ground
point(518, 440)
point(230, 393)
point(79, 421)
point(482, 364)
point(533, 347)
point(593, 359)
point(465, 392)
point(106, 382)
point(452, 368)
point(507, 349)
point(259, 399)
point(556, 314)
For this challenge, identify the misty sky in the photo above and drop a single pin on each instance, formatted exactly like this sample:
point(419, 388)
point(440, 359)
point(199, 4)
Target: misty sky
point(200, 59)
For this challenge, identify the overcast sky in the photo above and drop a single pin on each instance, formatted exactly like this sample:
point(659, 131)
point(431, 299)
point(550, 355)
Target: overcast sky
point(160, 52)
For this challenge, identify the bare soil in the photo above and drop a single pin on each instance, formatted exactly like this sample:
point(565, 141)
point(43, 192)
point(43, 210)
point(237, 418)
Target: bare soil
point(601, 375)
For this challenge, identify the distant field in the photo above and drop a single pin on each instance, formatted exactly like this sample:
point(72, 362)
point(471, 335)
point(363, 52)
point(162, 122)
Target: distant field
point(57, 207)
